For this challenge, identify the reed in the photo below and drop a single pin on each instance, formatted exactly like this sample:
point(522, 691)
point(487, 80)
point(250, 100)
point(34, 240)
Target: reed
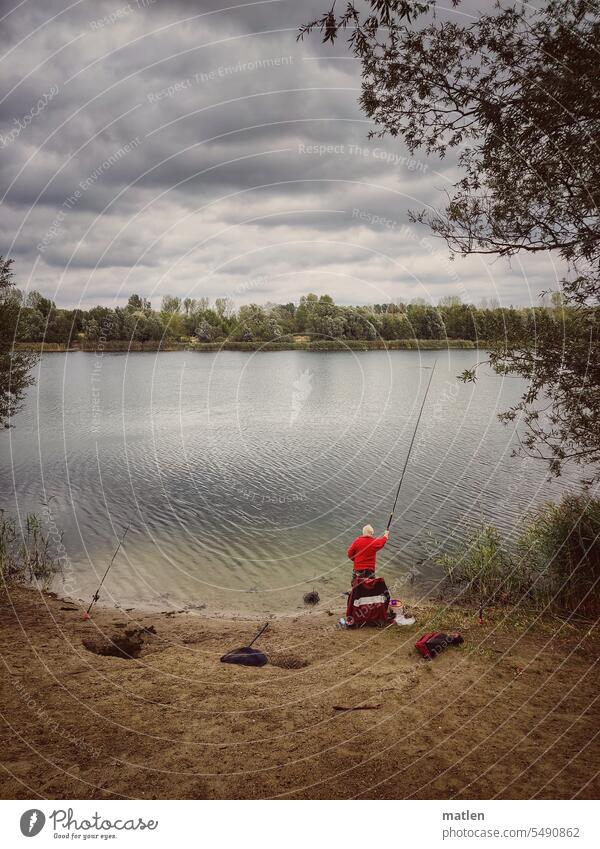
point(25, 554)
point(553, 563)
point(321, 345)
point(561, 544)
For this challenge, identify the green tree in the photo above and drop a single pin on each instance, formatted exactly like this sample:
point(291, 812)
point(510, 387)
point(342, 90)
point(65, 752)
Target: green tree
point(224, 307)
point(135, 303)
point(517, 89)
point(253, 319)
point(171, 305)
point(189, 305)
point(434, 324)
point(15, 366)
point(394, 326)
point(357, 325)
point(305, 310)
point(32, 326)
point(91, 330)
point(170, 316)
point(205, 332)
point(323, 317)
point(273, 329)
point(140, 327)
point(36, 301)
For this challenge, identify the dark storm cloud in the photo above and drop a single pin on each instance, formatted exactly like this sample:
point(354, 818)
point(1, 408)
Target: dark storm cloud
point(182, 148)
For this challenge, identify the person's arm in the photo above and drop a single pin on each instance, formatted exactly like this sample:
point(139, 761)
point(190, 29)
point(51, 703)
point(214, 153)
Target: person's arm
point(352, 551)
point(381, 541)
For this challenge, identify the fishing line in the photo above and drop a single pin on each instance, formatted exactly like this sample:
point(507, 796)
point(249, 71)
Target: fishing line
point(412, 441)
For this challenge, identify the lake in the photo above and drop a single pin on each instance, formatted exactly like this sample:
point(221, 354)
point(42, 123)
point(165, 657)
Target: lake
point(245, 476)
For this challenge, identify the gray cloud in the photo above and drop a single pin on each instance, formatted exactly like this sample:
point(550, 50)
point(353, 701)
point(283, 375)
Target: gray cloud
point(190, 150)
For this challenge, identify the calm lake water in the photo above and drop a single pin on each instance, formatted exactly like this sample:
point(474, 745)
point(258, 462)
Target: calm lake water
point(246, 476)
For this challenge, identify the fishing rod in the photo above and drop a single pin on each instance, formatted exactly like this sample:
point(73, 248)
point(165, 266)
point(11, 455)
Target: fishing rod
point(411, 445)
point(96, 595)
point(262, 630)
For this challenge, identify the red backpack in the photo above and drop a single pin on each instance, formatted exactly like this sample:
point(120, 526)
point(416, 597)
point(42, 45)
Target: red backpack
point(431, 644)
point(368, 602)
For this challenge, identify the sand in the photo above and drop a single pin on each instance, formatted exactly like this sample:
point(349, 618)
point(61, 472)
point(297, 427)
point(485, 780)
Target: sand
point(513, 713)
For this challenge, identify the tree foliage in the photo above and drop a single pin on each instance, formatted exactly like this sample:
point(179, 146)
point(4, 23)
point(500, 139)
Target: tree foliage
point(15, 367)
point(316, 316)
point(514, 96)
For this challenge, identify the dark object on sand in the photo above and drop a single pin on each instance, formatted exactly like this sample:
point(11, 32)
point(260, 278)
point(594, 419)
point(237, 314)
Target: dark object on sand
point(357, 707)
point(128, 645)
point(311, 597)
point(430, 645)
point(246, 655)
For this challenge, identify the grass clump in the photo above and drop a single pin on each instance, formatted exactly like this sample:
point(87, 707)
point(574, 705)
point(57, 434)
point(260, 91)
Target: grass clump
point(561, 542)
point(25, 555)
point(486, 567)
point(554, 562)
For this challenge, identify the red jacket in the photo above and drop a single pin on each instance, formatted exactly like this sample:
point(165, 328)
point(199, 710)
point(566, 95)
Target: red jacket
point(363, 551)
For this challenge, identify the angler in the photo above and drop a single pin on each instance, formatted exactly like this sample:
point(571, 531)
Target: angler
point(369, 598)
point(363, 551)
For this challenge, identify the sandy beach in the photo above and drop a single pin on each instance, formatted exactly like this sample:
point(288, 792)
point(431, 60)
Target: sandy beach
point(334, 715)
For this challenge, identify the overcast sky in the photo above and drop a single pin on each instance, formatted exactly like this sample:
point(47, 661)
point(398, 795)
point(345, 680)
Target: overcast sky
point(185, 148)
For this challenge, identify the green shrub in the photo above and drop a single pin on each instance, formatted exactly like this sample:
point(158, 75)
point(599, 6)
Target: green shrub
point(555, 561)
point(25, 557)
point(487, 568)
point(561, 543)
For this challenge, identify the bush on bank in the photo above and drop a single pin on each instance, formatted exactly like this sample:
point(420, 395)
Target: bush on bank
point(25, 555)
point(554, 562)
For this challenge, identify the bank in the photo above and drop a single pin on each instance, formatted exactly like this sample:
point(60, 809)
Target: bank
point(127, 345)
point(335, 714)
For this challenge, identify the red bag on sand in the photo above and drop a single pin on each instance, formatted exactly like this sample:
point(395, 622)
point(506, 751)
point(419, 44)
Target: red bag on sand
point(368, 602)
point(431, 644)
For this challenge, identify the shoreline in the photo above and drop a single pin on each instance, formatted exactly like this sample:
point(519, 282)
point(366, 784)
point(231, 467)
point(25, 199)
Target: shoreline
point(349, 345)
point(507, 713)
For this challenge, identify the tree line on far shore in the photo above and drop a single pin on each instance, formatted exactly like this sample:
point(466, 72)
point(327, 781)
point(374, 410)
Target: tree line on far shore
point(39, 320)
